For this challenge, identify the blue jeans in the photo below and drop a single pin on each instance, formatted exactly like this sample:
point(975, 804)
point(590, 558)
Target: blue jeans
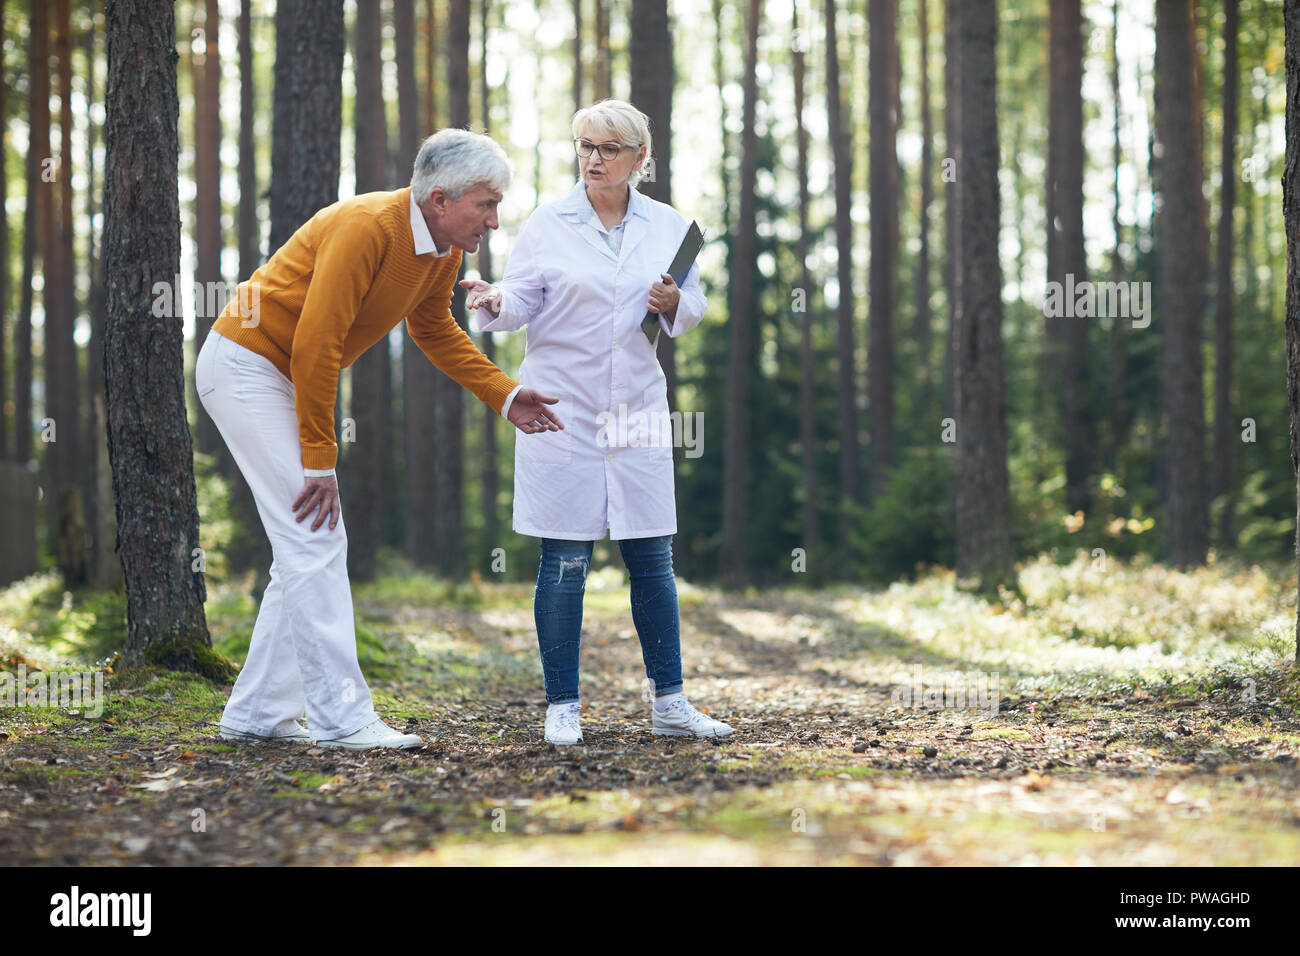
point(557, 609)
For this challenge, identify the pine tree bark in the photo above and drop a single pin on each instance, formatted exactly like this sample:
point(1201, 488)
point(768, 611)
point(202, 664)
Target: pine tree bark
point(984, 553)
point(149, 440)
point(1223, 322)
point(449, 403)
point(884, 239)
point(65, 478)
point(207, 199)
point(1181, 241)
point(604, 89)
point(1291, 217)
point(34, 224)
point(807, 369)
point(653, 77)
point(419, 378)
point(922, 320)
point(952, 162)
point(1067, 338)
point(105, 570)
point(307, 112)
point(839, 129)
point(491, 478)
point(735, 513)
point(363, 461)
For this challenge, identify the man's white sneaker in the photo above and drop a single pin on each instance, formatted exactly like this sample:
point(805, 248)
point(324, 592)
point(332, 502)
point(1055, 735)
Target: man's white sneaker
point(564, 723)
point(683, 720)
point(374, 734)
point(300, 733)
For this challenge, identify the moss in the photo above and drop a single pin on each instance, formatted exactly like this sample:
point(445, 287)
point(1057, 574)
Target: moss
point(190, 658)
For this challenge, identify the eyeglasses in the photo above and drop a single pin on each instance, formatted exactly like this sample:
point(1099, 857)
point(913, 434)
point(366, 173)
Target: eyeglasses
point(608, 151)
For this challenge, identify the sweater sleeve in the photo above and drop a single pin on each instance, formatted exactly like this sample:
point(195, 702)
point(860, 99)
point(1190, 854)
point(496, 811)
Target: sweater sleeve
point(349, 251)
point(451, 349)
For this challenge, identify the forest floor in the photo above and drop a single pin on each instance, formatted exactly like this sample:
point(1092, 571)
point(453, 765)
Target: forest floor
point(1128, 716)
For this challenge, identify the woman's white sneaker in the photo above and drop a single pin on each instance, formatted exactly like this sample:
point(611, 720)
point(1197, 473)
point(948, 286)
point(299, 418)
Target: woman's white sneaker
point(680, 719)
point(375, 734)
point(564, 723)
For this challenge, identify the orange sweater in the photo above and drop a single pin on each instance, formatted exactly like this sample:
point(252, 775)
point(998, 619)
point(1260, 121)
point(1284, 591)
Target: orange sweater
point(338, 286)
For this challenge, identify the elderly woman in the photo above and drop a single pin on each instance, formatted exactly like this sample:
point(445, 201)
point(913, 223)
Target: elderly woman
point(583, 273)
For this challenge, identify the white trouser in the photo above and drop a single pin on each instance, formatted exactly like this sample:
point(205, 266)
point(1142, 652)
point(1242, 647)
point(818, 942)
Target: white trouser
point(303, 654)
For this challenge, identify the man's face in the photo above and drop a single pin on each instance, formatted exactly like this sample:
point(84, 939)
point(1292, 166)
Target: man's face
point(462, 222)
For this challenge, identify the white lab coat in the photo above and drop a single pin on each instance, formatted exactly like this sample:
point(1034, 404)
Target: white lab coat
point(611, 467)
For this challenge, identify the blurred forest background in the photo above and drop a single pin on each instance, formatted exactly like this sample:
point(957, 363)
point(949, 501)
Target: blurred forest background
point(873, 244)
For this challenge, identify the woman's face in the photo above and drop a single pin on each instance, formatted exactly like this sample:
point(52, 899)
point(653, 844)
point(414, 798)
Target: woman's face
point(601, 173)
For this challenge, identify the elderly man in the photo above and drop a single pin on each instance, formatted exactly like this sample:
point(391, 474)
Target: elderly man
point(268, 376)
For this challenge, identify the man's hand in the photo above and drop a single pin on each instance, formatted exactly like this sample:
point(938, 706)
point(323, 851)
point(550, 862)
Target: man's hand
point(528, 412)
point(322, 493)
point(481, 294)
point(664, 297)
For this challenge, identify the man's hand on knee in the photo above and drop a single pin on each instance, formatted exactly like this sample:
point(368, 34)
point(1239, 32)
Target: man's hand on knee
point(322, 494)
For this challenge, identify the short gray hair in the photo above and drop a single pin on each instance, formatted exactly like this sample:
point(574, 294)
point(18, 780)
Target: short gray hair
point(455, 161)
point(625, 122)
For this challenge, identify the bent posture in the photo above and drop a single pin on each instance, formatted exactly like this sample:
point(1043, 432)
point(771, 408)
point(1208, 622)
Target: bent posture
point(268, 376)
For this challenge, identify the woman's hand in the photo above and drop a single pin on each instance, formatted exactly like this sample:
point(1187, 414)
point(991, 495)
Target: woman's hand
point(480, 295)
point(528, 412)
point(664, 296)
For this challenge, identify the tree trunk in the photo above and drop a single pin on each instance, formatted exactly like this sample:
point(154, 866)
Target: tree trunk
point(149, 441)
point(105, 569)
point(4, 249)
point(952, 162)
point(64, 487)
point(307, 112)
point(839, 129)
point(984, 552)
point(884, 230)
point(491, 478)
point(602, 78)
point(921, 321)
point(736, 468)
point(419, 381)
point(449, 403)
point(1223, 352)
point(807, 369)
point(363, 463)
point(653, 78)
point(1068, 337)
point(1115, 388)
point(1181, 278)
point(38, 151)
point(207, 198)
point(1291, 216)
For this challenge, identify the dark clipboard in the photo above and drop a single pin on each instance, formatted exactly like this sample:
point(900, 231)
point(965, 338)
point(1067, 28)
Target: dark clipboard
point(682, 262)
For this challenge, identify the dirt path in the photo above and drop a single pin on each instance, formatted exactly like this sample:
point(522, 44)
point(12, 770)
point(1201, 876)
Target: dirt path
point(825, 766)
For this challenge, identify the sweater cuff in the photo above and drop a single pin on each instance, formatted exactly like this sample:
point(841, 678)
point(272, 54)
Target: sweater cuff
point(319, 457)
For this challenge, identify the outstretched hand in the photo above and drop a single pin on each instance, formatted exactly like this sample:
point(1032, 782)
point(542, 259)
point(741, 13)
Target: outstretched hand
point(528, 412)
point(481, 294)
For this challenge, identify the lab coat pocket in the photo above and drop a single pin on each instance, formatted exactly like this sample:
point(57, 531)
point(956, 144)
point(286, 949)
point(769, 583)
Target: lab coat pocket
point(658, 433)
point(550, 448)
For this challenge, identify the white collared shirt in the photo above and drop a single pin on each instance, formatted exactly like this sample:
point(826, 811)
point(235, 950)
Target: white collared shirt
point(611, 468)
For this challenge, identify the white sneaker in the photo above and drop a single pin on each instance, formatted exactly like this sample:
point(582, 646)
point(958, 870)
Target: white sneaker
point(564, 723)
point(683, 720)
point(375, 734)
point(300, 733)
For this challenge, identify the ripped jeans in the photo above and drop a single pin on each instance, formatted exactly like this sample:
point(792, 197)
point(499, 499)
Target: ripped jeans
point(557, 609)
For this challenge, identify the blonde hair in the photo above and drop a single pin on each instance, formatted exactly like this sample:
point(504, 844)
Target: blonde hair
point(624, 121)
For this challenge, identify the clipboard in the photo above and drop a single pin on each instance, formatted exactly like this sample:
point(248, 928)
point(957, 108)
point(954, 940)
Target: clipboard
point(691, 245)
